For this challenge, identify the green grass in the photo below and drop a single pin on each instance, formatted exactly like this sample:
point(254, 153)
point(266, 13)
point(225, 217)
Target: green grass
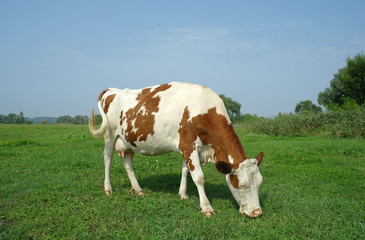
point(51, 179)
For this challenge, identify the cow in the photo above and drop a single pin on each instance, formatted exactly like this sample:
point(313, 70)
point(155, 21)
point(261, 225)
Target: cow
point(184, 118)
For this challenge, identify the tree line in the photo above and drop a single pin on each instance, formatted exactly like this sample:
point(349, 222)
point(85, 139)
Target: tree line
point(13, 118)
point(78, 119)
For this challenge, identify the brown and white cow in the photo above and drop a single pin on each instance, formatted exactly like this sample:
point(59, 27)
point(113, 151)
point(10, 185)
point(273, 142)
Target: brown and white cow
point(178, 117)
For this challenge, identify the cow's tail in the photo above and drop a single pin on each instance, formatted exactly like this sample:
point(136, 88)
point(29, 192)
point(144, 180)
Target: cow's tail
point(103, 130)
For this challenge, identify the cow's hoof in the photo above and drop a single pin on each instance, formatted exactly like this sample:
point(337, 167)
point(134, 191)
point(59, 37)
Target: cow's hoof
point(141, 193)
point(107, 189)
point(208, 214)
point(208, 211)
point(108, 192)
point(184, 196)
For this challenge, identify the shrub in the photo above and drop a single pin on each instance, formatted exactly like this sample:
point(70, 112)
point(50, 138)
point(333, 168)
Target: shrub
point(339, 123)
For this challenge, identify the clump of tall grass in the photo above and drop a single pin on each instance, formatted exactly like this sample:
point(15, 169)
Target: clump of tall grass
point(350, 123)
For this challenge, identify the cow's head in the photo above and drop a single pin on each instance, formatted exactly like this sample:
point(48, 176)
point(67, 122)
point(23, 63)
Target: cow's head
point(244, 182)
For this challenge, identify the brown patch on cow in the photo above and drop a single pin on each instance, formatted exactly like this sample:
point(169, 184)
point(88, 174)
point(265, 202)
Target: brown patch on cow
point(211, 128)
point(102, 94)
point(187, 139)
point(234, 180)
point(109, 99)
point(122, 118)
point(142, 115)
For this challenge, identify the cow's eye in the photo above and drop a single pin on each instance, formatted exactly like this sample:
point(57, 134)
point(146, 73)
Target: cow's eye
point(243, 186)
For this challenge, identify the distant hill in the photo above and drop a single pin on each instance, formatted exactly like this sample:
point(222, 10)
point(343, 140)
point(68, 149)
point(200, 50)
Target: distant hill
point(39, 119)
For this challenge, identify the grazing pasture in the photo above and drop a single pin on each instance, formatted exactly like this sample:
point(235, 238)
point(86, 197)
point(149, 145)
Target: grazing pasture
point(51, 187)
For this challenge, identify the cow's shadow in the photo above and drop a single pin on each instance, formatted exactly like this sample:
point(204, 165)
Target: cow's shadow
point(170, 183)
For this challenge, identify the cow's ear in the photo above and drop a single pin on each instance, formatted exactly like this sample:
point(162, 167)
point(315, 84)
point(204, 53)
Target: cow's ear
point(223, 167)
point(259, 158)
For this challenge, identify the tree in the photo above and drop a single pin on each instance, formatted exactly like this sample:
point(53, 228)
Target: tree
point(307, 106)
point(233, 108)
point(98, 119)
point(65, 119)
point(19, 118)
point(44, 121)
point(348, 85)
point(12, 118)
point(80, 119)
point(28, 122)
point(2, 118)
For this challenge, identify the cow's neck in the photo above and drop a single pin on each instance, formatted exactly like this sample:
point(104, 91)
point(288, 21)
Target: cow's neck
point(229, 148)
point(214, 129)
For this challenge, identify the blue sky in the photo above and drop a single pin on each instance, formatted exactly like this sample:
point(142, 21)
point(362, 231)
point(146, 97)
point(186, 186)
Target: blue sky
point(57, 56)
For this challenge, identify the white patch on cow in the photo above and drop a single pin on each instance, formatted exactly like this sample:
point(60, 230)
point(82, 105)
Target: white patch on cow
point(142, 110)
point(134, 130)
point(230, 159)
point(144, 152)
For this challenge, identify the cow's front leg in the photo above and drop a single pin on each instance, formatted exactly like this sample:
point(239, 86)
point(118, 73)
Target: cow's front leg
point(128, 165)
point(198, 178)
point(184, 179)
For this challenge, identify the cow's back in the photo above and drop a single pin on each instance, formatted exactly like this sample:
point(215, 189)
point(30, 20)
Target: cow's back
point(148, 120)
point(197, 98)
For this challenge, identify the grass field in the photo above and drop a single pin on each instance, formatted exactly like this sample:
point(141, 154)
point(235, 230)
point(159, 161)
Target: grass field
point(51, 179)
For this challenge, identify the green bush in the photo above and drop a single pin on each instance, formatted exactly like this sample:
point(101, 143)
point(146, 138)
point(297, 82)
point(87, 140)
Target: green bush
point(335, 123)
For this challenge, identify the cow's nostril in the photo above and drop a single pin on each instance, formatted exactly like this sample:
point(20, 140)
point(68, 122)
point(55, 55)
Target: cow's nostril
point(256, 213)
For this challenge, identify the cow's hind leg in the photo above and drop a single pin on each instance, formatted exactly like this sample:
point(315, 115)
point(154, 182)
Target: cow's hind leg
point(184, 179)
point(108, 154)
point(198, 178)
point(128, 165)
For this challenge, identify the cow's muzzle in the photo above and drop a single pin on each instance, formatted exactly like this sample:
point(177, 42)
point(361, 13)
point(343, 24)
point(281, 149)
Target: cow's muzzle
point(254, 213)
